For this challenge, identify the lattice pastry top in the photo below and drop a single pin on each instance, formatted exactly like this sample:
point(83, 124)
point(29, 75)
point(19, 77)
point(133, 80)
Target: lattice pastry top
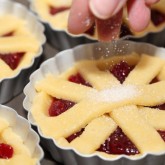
point(111, 107)
point(53, 11)
point(18, 45)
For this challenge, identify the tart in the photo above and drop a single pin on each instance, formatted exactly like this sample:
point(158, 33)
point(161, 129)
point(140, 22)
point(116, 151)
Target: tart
point(21, 40)
point(53, 11)
point(19, 144)
point(99, 104)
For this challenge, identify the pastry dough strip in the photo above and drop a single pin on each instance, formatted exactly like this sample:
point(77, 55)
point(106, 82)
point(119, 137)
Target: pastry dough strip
point(154, 117)
point(146, 138)
point(147, 69)
point(95, 134)
point(98, 79)
point(18, 44)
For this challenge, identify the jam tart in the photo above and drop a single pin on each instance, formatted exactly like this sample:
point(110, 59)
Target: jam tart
point(108, 107)
point(16, 146)
point(21, 41)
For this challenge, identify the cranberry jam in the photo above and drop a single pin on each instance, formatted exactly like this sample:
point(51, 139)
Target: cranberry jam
point(75, 135)
point(6, 151)
point(8, 34)
point(12, 59)
point(121, 70)
point(157, 17)
point(79, 80)
point(55, 10)
point(118, 143)
point(59, 106)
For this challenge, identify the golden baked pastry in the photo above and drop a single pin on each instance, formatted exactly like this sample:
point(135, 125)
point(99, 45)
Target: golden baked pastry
point(108, 106)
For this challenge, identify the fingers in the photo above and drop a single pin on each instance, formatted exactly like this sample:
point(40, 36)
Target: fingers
point(109, 29)
point(151, 2)
point(83, 14)
point(138, 14)
point(110, 7)
point(80, 17)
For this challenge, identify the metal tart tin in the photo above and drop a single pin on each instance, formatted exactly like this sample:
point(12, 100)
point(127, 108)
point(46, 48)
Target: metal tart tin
point(61, 62)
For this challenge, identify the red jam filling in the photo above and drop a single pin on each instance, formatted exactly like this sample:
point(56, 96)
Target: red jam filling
point(118, 143)
point(162, 134)
point(121, 70)
point(6, 151)
point(55, 10)
point(8, 34)
point(12, 59)
point(59, 106)
point(157, 17)
point(78, 79)
point(75, 135)
point(124, 31)
point(154, 80)
point(160, 107)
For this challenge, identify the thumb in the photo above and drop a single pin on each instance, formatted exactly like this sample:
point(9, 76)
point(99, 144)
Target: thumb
point(104, 9)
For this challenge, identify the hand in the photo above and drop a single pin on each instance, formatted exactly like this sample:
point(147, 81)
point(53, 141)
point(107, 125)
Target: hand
point(108, 16)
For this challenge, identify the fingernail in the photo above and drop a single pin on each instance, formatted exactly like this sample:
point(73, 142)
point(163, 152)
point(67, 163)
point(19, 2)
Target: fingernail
point(120, 5)
point(103, 9)
point(151, 2)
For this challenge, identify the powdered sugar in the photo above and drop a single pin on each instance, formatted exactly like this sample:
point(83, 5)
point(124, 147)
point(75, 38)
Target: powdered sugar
point(114, 94)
